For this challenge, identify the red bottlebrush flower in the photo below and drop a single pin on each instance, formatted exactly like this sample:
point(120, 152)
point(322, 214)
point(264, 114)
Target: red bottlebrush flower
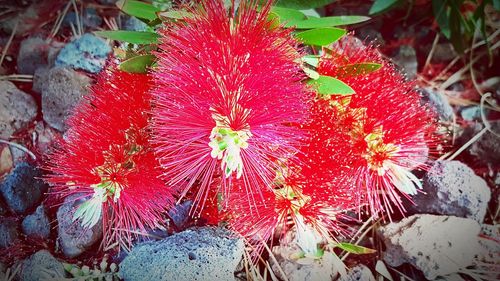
point(370, 140)
point(228, 88)
point(106, 157)
point(314, 221)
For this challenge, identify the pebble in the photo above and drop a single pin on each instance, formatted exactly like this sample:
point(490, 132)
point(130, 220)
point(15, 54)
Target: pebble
point(406, 60)
point(487, 149)
point(206, 253)
point(22, 189)
point(436, 245)
point(61, 92)
point(452, 188)
point(90, 19)
point(73, 238)
point(37, 224)
point(42, 266)
point(87, 53)
point(17, 109)
point(439, 103)
point(358, 273)
point(8, 232)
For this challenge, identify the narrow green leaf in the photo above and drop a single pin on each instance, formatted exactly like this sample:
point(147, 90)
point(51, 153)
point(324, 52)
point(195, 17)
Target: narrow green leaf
point(302, 4)
point(138, 64)
point(179, 15)
point(312, 60)
point(327, 85)
point(313, 74)
point(380, 6)
point(456, 36)
point(134, 37)
point(326, 21)
point(355, 249)
point(138, 9)
point(286, 14)
point(359, 68)
point(441, 14)
point(321, 36)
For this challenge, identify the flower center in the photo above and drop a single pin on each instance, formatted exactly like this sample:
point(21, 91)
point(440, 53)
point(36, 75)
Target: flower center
point(378, 152)
point(226, 145)
point(380, 158)
point(118, 161)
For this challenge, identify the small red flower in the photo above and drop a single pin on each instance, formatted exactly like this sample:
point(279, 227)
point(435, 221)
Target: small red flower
point(106, 157)
point(372, 139)
point(228, 88)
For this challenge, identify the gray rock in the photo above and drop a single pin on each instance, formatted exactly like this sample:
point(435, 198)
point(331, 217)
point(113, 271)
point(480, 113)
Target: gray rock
point(41, 266)
point(8, 232)
point(490, 245)
point(444, 52)
point(180, 213)
point(205, 253)
point(63, 89)
point(33, 53)
point(17, 109)
point(72, 236)
point(358, 273)
point(90, 19)
point(436, 245)
point(406, 60)
point(40, 78)
point(313, 270)
point(471, 113)
point(22, 189)
point(452, 188)
point(107, 2)
point(134, 24)
point(487, 148)
point(37, 224)
point(87, 53)
point(370, 34)
point(438, 103)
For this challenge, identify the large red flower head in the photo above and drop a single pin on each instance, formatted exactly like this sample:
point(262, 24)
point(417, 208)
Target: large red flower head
point(370, 141)
point(308, 218)
point(107, 158)
point(228, 88)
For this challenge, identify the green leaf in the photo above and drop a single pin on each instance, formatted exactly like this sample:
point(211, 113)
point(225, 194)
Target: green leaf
point(355, 249)
point(179, 15)
point(359, 68)
point(320, 36)
point(456, 36)
point(312, 60)
point(286, 14)
point(138, 64)
point(325, 21)
point(496, 5)
point(380, 6)
point(327, 85)
point(138, 9)
point(311, 73)
point(134, 37)
point(441, 14)
point(303, 4)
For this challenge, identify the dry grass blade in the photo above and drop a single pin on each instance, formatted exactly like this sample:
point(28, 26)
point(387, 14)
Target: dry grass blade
point(59, 20)
point(271, 255)
point(9, 42)
point(431, 52)
point(20, 147)
point(17, 77)
point(487, 127)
